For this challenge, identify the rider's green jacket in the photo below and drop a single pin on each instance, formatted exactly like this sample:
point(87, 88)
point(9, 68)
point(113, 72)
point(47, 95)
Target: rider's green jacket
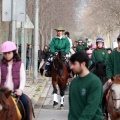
point(80, 48)
point(113, 64)
point(60, 44)
point(85, 97)
point(100, 55)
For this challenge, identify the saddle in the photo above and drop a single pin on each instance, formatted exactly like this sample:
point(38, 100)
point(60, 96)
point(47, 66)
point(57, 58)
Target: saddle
point(20, 108)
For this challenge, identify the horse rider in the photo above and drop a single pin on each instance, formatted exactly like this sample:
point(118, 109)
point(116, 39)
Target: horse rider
point(58, 43)
point(67, 34)
point(113, 66)
point(12, 73)
point(80, 46)
point(99, 58)
point(89, 53)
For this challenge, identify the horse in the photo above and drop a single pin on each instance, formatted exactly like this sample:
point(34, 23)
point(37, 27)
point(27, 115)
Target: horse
point(113, 102)
point(59, 74)
point(8, 109)
point(99, 69)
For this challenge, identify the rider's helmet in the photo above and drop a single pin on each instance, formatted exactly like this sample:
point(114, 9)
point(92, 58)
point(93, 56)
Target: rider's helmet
point(99, 40)
point(8, 46)
point(59, 28)
point(89, 51)
point(86, 38)
point(118, 39)
point(80, 41)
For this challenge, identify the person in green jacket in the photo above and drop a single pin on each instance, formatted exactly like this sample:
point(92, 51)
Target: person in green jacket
point(85, 92)
point(58, 43)
point(113, 66)
point(89, 53)
point(99, 58)
point(80, 47)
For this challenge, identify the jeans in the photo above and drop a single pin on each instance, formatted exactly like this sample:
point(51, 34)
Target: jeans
point(25, 102)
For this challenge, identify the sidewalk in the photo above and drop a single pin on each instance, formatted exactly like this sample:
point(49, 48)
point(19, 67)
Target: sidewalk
point(34, 90)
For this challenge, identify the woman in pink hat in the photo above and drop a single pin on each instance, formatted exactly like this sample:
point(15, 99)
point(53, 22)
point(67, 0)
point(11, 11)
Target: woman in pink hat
point(12, 73)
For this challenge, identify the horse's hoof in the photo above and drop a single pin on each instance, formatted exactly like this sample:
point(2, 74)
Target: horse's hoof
point(55, 105)
point(61, 106)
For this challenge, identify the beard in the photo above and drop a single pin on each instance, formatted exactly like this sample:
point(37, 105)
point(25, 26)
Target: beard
point(78, 72)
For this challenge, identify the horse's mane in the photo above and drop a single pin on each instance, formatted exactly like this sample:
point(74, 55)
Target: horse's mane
point(116, 79)
point(60, 62)
point(3, 98)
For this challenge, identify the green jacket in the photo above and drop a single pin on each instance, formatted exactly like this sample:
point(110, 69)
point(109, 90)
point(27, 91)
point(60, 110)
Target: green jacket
point(113, 64)
point(58, 44)
point(85, 97)
point(80, 48)
point(100, 55)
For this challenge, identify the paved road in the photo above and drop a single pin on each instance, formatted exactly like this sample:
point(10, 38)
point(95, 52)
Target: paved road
point(44, 109)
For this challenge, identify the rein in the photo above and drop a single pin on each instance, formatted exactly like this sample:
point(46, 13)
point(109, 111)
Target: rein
point(8, 116)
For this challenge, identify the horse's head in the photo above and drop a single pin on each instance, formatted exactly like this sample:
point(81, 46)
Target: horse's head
point(115, 92)
point(58, 63)
point(4, 104)
point(58, 60)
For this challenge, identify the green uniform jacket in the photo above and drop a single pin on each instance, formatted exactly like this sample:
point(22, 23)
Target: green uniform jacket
point(58, 44)
point(113, 64)
point(85, 96)
point(80, 48)
point(85, 45)
point(100, 55)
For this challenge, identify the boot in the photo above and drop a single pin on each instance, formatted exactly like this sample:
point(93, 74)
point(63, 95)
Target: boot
point(41, 71)
point(48, 73)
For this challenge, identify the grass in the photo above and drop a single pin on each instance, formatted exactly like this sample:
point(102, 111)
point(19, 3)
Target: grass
point(37, 90)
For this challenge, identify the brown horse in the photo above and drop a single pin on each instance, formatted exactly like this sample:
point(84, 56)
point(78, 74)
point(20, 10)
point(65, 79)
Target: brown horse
point(59, 75)
point(8, 110)
point(113, 103)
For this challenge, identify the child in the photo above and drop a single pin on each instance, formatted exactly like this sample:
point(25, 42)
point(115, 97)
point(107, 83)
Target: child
point(100, 57)
point(12, 73)
point(89, 52)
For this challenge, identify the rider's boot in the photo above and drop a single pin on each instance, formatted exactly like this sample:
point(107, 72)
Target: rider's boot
point(48, 73)
point(69, 70)
point(26, 106)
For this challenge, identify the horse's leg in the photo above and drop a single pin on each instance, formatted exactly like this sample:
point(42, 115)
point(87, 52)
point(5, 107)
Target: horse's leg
point(62, 92)
point(55, 97)
point(61, 99)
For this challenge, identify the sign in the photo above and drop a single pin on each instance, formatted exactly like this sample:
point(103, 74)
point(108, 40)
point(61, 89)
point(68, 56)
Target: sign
point(27, 24)
point(14, 9)
point(21, 10)
point(6, 10)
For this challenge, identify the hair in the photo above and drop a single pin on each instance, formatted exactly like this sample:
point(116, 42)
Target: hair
point(67, 33)
point(118, 39)
point(16, 56)
point(80, 57)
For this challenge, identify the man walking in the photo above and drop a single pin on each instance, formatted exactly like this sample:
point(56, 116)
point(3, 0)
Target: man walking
point(85, 94)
